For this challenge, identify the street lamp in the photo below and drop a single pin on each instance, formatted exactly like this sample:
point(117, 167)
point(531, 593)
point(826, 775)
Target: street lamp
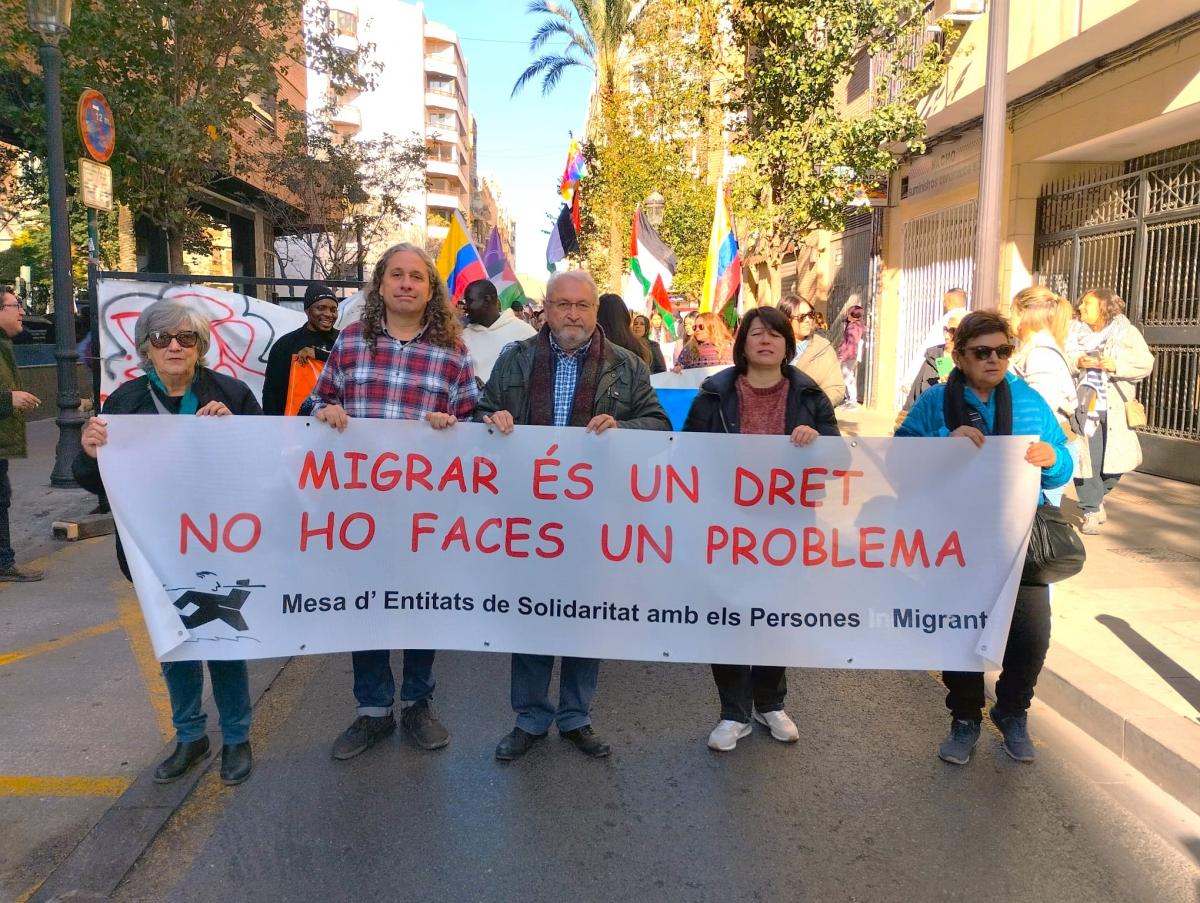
point(655, 205)
point(52, 20)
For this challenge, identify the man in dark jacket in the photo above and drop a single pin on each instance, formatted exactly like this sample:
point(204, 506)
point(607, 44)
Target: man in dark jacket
point(568, 374)
point(313, 340)
point(13, 402)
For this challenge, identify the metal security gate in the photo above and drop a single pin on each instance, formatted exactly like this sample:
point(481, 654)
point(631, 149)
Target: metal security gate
point(939, 254)
point(854, 270)
point(1138, 232)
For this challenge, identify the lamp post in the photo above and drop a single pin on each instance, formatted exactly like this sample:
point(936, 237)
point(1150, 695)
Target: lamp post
point(52, 20)
point(986, 284)
point(655, 205)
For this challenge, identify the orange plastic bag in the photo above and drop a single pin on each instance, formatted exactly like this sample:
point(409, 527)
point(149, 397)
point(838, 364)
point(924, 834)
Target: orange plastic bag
point(301, 382)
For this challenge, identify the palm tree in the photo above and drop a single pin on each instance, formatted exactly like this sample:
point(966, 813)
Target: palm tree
point(595, 31)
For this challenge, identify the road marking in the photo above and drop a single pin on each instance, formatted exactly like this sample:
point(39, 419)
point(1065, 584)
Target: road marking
point(17, 655)
point(129, 615)
point(61, 785)
point(24, 897)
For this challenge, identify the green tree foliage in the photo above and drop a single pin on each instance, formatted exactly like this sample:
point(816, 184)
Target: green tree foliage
point(805, 151)
point(194, 87)
point(350, 190)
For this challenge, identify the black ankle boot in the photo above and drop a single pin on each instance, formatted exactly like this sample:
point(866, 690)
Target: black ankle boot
point(178, 764)
point(236, 763)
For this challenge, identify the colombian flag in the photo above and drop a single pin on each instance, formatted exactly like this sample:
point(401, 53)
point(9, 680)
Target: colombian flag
point(459, 263)
point(723, 268)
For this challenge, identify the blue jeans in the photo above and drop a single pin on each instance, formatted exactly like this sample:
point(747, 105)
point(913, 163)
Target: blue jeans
point(7, 556)
point(530, 692)
point(375, 685)
point(231, 692)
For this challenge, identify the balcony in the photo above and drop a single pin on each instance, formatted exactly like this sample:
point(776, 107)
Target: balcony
point(347, 116)
point(346, 42)
point(438, 233)
point(444, 168)
point(441, 65)
point(442, 199)
point(442, 100)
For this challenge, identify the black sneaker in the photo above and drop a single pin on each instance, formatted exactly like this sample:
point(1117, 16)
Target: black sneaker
point(960, 742)
point(1016, 735)
point(14, 574)
point(180, 762)
point(364, 733)
point(586, 741)
point(420, 724)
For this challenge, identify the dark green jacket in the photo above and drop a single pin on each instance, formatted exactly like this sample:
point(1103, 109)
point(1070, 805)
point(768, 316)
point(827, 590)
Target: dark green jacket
point(12, 422)
point(624, 389)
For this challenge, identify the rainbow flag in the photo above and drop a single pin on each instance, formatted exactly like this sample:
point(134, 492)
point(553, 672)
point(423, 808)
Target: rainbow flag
point(459, 263)
point(723, 267)
point(574, 170)
point(500, 271)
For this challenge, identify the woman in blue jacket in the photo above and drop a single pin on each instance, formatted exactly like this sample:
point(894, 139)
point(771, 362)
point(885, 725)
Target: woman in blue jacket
point(981, 398)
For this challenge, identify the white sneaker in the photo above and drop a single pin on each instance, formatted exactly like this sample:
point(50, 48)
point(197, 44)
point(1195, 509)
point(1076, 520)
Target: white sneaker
point(726, 734)
point(782, 727)
point(1103, 514)
point(1091, 523)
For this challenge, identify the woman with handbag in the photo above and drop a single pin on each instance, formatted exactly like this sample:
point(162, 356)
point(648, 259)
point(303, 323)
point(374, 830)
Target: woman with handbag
point(1041, 319)
point(981, 398)
point(1111, 361)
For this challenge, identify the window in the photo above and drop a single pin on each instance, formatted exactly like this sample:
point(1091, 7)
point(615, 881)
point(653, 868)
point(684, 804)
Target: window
point(443, 153)
point(860, 78)
point(345, 23)
point(439, 185)
point(442, 121)
point(265, 106)
point(442, 86)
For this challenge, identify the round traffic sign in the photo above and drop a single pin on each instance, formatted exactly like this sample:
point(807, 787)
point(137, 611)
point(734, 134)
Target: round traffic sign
point(97, 128)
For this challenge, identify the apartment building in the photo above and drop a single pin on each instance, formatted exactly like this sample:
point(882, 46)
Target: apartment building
point(421, 90)
point(1103, 188)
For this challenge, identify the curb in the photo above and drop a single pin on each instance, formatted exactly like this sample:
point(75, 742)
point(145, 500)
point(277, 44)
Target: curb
point(100, 862)
point(1163, 745)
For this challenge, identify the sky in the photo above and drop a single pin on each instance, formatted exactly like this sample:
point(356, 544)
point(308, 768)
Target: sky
point(523, 141)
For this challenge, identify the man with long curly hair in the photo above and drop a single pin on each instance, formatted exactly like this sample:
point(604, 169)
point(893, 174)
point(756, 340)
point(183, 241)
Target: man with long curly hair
point(405, 359)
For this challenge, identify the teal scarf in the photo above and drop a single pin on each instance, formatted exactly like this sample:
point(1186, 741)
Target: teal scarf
point(189, 404)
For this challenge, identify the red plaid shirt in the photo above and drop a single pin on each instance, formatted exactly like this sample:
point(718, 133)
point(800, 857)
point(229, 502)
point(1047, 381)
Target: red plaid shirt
point(400, 381)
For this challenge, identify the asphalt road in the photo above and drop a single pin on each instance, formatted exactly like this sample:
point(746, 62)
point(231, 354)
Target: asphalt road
point(860, 810)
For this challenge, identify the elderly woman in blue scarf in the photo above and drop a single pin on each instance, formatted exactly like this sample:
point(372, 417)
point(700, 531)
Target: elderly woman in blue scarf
point(172, 340)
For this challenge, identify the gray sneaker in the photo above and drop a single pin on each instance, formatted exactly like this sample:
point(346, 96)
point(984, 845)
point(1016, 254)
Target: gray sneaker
point(956, 748)
point(364, 733)
point(420, 724)
point(1016, 735)
point(1091, 523)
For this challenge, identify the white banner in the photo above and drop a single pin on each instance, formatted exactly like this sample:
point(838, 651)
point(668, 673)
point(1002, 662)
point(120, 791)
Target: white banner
point(243, 329)
point(252, 537)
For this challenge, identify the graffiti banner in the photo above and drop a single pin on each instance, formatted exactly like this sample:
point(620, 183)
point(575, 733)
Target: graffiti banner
point(250, 537)
point(243, 329)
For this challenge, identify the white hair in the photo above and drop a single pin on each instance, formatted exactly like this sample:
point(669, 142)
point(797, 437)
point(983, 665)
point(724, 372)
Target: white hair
point(167, 314)
point(580, 275)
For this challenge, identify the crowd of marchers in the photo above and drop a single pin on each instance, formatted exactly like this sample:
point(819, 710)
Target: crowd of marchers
point(1061, 373)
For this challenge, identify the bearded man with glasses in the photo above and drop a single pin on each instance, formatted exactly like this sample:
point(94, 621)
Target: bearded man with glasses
point(14, 402)
point(981, 398)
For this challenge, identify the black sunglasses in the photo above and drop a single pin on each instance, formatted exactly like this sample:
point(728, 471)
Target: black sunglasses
point(983, 352)
point(807, 316)
point(187, 339)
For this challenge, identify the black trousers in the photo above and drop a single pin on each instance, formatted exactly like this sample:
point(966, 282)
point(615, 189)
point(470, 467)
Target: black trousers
point(744, 688)
point(1028, 640)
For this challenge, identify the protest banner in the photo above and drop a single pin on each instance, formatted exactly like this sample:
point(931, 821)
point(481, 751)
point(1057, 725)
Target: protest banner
point(251, 537)
point(243, 329)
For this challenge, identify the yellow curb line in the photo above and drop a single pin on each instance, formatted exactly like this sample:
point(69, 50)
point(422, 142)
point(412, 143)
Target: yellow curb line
point(129, 615)
point(8, 658)
point(61, 785)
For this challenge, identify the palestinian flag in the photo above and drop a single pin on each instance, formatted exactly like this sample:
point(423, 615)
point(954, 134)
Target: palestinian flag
point(662, 304)
point(564, 239)
point(500, 271)
point(649, 258)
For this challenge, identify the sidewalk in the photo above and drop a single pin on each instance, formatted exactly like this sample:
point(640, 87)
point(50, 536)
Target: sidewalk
point(1124, 662)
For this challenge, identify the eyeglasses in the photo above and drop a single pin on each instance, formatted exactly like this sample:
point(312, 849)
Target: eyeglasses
point(807, 316)
point(186, 339)
point(17, 305)
point(578, 307)
point(983, 352)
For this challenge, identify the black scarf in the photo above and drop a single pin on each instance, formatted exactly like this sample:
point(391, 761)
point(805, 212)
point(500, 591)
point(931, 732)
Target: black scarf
point(958, 413)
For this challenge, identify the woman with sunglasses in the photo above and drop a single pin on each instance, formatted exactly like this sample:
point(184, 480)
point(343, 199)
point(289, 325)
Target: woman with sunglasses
point(709, 345)
point(762, 393)
point(815, 355)
point(981, 398)
point(171, 340)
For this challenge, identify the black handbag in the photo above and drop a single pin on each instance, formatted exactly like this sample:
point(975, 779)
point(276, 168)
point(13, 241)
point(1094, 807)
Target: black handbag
point(1055, 550)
